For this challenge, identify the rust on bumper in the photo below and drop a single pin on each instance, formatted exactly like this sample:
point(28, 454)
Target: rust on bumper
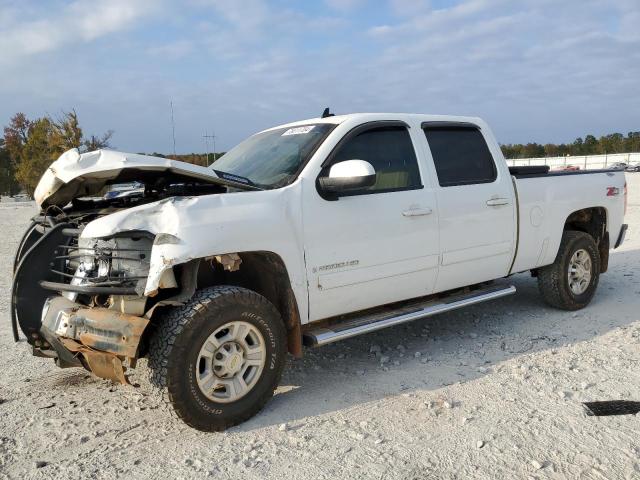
point(102, 364)
point(105, 338)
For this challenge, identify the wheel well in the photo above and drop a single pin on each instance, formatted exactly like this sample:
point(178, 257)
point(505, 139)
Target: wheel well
point(264, 273)
point(594, 222)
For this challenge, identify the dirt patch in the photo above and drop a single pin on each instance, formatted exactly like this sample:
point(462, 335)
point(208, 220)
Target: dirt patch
point(492, 391)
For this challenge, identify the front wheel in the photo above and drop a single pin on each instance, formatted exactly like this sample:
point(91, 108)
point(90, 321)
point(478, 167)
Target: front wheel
point(571, 281)
point(219, 358)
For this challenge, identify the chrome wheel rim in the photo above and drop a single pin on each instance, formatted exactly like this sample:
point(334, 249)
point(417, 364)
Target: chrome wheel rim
point(230, 362)
point(580, 267)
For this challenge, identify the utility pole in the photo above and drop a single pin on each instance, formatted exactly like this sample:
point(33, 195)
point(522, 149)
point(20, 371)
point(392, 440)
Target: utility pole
point(173, 128)
point(213, 138)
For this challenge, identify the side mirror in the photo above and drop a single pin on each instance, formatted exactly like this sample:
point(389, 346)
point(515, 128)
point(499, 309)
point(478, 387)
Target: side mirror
point(348, 175)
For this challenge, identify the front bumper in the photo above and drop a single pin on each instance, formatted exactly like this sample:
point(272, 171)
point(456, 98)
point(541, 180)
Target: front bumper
point(101, 339)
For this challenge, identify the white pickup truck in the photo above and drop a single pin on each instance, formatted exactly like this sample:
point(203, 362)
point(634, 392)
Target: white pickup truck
point(303, 234)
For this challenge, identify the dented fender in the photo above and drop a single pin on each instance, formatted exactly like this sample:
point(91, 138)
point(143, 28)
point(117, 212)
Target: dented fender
point(187, 228)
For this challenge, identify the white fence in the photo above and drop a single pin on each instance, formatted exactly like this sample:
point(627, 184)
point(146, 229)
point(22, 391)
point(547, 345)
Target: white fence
point(582, 161)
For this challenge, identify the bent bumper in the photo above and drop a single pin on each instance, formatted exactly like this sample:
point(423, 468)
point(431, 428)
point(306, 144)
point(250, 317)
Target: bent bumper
point(104, 338)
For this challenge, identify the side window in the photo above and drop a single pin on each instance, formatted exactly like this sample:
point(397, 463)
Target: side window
point(390, 151)
point(461, 155)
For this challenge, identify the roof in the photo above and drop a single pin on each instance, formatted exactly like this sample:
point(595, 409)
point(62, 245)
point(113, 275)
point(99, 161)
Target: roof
point(368, 117)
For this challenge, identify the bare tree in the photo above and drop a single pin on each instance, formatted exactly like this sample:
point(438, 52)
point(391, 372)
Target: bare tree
point(96, 143)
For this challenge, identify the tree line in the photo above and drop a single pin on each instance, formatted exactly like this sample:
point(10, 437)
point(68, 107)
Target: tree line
point(590, 145)
point(30, 146)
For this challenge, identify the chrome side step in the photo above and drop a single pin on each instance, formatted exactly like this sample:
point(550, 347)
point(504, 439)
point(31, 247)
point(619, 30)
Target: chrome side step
point(378, 320)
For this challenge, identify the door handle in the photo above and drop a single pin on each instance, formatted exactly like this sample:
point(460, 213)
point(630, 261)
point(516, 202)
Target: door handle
point(417, 212)
point(496, 202)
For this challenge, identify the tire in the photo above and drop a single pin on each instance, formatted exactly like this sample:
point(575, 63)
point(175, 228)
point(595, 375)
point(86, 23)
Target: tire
point(553, 280)
point(179, 356)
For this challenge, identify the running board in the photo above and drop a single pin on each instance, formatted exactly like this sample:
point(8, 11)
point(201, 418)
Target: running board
point(379, 320)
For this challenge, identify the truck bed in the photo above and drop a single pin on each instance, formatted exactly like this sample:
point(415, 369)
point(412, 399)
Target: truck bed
point(546, 200)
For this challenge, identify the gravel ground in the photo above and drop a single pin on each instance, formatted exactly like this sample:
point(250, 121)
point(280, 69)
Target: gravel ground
point(492, 391)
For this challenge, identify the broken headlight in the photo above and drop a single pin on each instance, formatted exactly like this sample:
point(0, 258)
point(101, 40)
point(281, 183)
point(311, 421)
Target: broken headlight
point(119, 264)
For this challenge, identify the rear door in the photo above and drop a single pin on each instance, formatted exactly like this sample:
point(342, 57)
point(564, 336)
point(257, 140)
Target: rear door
point(476, 207)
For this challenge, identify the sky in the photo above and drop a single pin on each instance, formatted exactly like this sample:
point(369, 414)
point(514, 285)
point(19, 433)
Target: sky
point(536, 70)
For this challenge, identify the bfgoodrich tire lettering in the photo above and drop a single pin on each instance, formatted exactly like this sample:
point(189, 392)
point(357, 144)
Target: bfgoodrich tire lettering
point(553, 280)
point(176, 345)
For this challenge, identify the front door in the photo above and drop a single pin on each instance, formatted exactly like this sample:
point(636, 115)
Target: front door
point(374, 246)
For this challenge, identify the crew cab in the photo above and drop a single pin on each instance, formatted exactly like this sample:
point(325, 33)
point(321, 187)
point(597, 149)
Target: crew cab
point(303, 234)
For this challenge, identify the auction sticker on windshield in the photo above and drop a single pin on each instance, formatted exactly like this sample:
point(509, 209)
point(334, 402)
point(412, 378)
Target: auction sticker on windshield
point(298, 130)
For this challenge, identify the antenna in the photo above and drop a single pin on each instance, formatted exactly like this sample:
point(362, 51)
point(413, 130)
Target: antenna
point(173, 128)
point(327, 113)
point(213, 138)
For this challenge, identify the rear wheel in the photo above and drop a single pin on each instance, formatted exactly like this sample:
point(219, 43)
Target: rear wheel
point(219, 358)
point(571, 281)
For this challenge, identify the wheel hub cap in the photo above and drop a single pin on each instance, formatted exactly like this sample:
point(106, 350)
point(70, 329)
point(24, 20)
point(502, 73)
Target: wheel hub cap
point(230, 362)
point(579, 272)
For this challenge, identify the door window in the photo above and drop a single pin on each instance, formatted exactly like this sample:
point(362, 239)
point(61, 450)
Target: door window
point(390, 151)
point(461, 155)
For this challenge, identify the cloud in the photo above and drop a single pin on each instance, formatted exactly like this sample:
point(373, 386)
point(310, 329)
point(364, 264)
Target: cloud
point(173, 50)
point(345, 5)
point(82, 21)
point(410, 7)
point(235, 35)
point(244, 15)
point(535, 69)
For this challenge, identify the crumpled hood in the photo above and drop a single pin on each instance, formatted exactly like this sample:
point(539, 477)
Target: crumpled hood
point(74, 174)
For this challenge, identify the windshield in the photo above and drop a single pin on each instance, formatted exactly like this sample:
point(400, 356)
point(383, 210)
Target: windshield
point(272, 159)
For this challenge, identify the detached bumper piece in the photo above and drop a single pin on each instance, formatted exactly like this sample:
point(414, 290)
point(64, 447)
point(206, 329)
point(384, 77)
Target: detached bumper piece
point(103, 338)
point(612, 407)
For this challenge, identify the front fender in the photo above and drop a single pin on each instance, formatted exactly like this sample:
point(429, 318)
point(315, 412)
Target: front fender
point(187, 228)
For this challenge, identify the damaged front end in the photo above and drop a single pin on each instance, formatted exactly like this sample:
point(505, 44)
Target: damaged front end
point(84, 301)
point(80, 301)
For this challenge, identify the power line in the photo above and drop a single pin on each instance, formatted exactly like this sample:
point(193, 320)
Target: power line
point(213, 138)
point(173, 129)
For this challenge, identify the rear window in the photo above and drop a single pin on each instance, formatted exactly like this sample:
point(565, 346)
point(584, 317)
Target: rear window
point(461, 156)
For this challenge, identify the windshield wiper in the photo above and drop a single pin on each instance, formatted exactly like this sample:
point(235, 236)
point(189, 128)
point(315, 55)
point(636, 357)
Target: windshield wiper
point(236, 181)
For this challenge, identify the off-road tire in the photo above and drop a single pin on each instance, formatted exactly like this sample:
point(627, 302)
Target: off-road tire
point(176, 342)
point(553, 281)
